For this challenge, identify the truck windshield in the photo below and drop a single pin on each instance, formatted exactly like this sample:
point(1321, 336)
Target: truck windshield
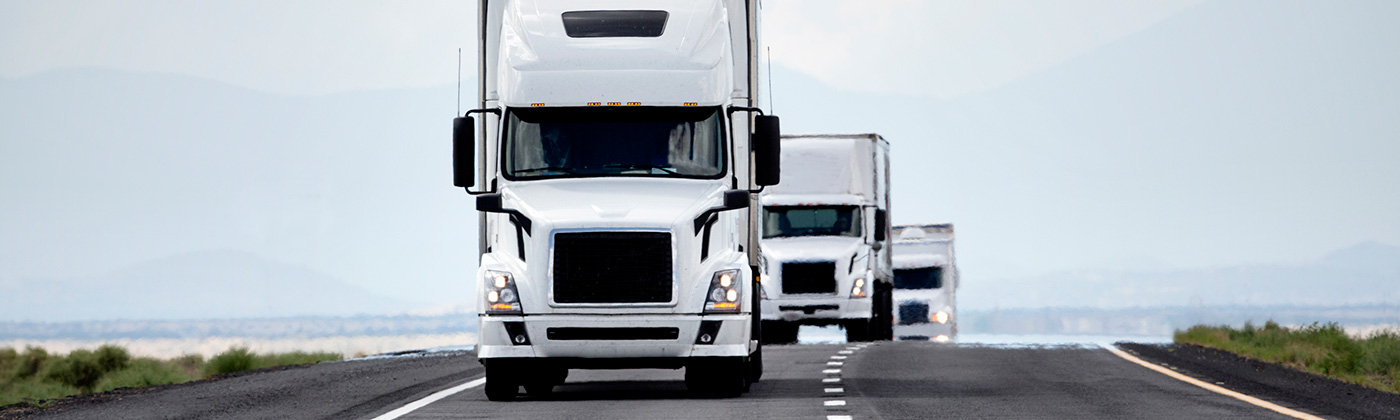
point(919, 278)
point(811, 221)
point(613, 141)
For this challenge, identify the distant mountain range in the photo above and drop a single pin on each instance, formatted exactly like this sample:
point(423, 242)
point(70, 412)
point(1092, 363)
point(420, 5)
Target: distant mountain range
point(104, 171)
point(1364, 274)
point(214, 284)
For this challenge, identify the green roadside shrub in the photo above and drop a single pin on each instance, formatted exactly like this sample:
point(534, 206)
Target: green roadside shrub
point(79, 369)
point(30, 362)
point(8, 358)
point(235, 359)
point(112, 358)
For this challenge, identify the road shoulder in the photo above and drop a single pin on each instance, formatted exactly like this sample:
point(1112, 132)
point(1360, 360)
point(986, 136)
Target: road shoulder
point(1272, 382)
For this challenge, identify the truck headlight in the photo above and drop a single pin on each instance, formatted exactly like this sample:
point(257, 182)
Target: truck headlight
point(501, 295)
point(858, 289)
point(941, 317)
point(724, 292)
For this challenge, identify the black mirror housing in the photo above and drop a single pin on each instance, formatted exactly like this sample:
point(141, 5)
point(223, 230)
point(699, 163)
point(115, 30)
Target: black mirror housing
point(489, 203)
point(881, 224)
point(464, 152)
point(736, 199)
point(767, 150)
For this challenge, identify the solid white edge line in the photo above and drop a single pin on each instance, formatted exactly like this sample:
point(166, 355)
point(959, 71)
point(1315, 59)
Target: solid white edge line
point(401, 411)
point(1212, 387)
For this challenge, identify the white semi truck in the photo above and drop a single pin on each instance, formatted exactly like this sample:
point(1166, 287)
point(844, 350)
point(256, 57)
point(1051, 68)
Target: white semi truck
point(925, 283)
point(619, 151)
point(826, 256)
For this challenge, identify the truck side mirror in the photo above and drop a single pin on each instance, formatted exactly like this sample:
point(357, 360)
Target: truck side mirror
point(736, 199)
point(881, 223)
point(464, 152)
point(766, 150)
point(489, 203)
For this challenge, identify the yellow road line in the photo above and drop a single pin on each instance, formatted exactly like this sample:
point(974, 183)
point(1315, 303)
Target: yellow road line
point(1213, 387)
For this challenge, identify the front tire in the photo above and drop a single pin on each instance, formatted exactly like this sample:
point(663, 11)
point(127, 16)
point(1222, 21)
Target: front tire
point(500, 385)
point(719, 378)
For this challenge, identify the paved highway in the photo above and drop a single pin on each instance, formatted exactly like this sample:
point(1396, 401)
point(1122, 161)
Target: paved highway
point(891, 380)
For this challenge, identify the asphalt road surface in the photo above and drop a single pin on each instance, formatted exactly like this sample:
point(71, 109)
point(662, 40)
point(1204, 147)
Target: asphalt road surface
point(890, 380)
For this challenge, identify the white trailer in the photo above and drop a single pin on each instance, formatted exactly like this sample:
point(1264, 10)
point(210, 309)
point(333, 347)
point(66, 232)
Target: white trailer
point(621, 149)
point(925, 283)
point(826, 258)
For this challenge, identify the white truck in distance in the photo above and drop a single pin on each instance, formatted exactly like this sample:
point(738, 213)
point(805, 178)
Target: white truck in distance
point(925, 282)
point(826, 258)
point(620, 151)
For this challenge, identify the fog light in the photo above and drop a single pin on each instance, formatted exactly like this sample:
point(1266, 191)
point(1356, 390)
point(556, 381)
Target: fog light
point(520, 339)
point(941, 317)
point(941, 338)
point(706, 339)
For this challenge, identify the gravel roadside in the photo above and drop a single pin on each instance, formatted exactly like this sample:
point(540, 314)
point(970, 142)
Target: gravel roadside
point(1272, 382)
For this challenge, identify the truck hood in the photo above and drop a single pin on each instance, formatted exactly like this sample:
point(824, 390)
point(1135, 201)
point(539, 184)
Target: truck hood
point(604, 203)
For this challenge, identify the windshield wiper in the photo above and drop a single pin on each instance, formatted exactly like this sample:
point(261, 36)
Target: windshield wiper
point(546, 168)
point(641, 166)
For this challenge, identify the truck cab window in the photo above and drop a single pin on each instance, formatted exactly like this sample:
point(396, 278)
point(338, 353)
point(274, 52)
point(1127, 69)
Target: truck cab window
point(591, 142)
point(919, 278)
point(779, 221)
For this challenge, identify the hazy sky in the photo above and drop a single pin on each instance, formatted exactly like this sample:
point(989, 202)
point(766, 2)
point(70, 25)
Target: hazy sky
point(315, 47)
point(1230, 189)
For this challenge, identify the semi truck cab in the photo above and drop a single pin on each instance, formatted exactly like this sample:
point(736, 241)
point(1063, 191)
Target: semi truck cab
point(615, 163)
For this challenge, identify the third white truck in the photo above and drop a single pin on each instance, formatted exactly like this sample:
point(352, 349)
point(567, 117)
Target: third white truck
point(925, 282)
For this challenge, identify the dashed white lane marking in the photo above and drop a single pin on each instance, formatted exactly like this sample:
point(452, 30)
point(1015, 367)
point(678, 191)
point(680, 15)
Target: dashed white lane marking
point(845, 352)
point(1212, 387)
point(835, 363)
point(431, 399)
point(834, 403)
point(835, 390)
point(832, 371)
point(839, 418)
point(831, 380)
point(838, 357)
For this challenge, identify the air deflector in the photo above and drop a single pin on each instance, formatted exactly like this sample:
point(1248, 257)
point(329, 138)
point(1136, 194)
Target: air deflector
point(615, 23)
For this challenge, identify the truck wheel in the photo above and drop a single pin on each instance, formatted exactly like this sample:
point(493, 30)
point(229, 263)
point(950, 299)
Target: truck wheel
point(500, 385)
point(886, 314)
point(719, 378)
point(857, 330)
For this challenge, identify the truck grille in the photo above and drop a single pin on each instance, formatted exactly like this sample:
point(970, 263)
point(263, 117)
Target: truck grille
point(817, 277)
point(913, 313)
point(612, 267)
